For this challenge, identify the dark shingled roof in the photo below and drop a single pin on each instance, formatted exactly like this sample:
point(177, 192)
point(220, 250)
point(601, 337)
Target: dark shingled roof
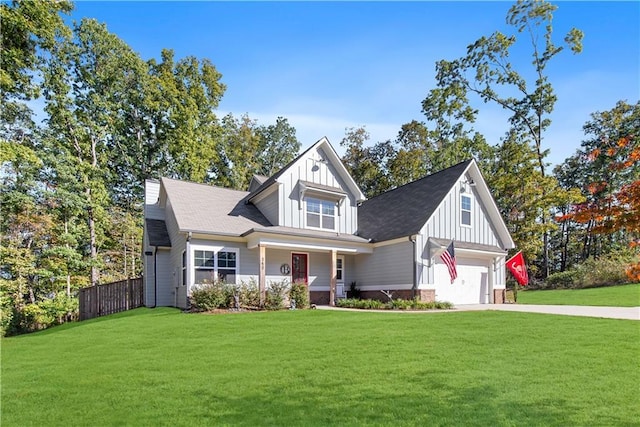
point(403, 211)
point(158, 234)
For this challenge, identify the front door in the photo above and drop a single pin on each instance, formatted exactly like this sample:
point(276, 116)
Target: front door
point(299, 268)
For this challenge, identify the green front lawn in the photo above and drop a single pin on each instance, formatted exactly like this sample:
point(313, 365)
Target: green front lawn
point(151, 367)
point(611, 296)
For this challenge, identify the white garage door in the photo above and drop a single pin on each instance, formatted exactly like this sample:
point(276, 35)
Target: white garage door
point(471, 286)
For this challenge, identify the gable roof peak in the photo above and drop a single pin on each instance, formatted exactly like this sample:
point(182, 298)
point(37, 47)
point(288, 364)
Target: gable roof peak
point(396, 213)
point(334, 159)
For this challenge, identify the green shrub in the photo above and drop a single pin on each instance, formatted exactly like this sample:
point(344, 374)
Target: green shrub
point(564, 279)
point(210, 296)
point(249, 293)
point(276, 293)
point(61, 308)
point(300, 293)
point(34, 318)
point(604, 271)
point(400, 304)
point(360, 303)
point(354, 291)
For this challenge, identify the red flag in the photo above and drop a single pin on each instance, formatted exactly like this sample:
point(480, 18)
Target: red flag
point(449, 258)
point(518, 268)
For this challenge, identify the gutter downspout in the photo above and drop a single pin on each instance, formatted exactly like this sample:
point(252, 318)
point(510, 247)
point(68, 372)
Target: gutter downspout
point(155, 277)
point(414, 289)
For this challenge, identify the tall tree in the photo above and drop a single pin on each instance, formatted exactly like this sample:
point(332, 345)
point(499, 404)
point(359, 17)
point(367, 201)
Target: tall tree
point(487, 72)
point(186, 123)
point(278, 146)
point(85, 88)
point(367, 165)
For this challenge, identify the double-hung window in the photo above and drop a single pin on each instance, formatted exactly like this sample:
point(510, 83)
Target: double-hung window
point(212, 265)
point(204, 264)
point(465, 210)
point(227, 266)
point(321, 213)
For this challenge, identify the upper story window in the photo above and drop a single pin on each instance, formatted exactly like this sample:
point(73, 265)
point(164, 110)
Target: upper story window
point(465, 210)
point(320, 213)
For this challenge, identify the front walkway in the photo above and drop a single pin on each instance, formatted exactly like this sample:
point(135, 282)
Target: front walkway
point(626, 313)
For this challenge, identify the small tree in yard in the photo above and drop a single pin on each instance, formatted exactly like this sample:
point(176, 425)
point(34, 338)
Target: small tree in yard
point(619, 210)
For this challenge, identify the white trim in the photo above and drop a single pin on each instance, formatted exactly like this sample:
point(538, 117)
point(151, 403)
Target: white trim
point(470, 210)
point(392, 242)
point(320, 214)
point(341, 258)
point(211, 248)
point(308, 247)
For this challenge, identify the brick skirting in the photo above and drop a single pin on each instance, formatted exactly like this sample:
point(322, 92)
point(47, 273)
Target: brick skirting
point(499, 296)
point(319, 297)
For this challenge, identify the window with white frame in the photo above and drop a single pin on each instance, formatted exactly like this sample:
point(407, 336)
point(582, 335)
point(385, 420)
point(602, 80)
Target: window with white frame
point(320, 213)
point(465, 210)
point(340, 270)
point(212, 265)
point(227, 266)
point(184, 268)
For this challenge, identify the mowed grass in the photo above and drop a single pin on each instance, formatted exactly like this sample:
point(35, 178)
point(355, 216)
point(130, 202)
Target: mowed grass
point(155, 367)
point(611, 296)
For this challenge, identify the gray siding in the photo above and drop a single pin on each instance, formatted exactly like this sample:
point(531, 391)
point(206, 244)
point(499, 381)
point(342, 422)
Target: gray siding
point(308, 169)
point(178, 245)
point(388, 265)
point(166, 284)
point(269, 206)
point(152, 210)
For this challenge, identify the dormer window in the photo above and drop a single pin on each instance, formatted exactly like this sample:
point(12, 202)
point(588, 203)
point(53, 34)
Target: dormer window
point(320, 213)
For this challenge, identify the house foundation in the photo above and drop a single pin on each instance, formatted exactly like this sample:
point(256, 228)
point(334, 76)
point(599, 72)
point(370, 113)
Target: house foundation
point(499, 296)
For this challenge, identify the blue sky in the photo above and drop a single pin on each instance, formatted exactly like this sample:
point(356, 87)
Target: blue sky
point(327, 66)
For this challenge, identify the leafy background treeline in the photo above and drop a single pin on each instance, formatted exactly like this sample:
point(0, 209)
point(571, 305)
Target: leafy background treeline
point(72, 175)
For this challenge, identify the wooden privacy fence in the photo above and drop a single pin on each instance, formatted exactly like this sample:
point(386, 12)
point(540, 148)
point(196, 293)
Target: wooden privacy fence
point(96, 301)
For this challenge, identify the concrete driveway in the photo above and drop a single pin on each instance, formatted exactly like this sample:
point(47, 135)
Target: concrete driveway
point(627, 313)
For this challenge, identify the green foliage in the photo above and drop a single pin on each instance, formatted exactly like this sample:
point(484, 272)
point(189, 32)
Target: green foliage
point(607, 270)
point(249, 294)
point(300, 293)
point(274, 358)
point(564, 279)
point(360, 303)
point(275, 295)
point(396, 304)
point(211, 296)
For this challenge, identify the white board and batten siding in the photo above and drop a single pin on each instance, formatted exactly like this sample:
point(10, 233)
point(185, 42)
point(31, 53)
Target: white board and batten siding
point(309, 168)
point(478, 274)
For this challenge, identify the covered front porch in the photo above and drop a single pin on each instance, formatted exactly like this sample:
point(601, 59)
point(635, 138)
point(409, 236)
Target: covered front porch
point(322, 260)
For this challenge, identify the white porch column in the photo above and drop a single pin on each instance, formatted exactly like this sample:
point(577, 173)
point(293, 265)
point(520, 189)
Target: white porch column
point(332, 285)
point(262, 277)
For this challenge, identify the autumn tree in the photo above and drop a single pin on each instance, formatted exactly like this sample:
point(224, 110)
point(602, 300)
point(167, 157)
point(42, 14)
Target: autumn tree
point(611, 159)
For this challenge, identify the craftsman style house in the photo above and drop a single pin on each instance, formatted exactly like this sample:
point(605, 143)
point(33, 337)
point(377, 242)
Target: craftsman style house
point(310, 222)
